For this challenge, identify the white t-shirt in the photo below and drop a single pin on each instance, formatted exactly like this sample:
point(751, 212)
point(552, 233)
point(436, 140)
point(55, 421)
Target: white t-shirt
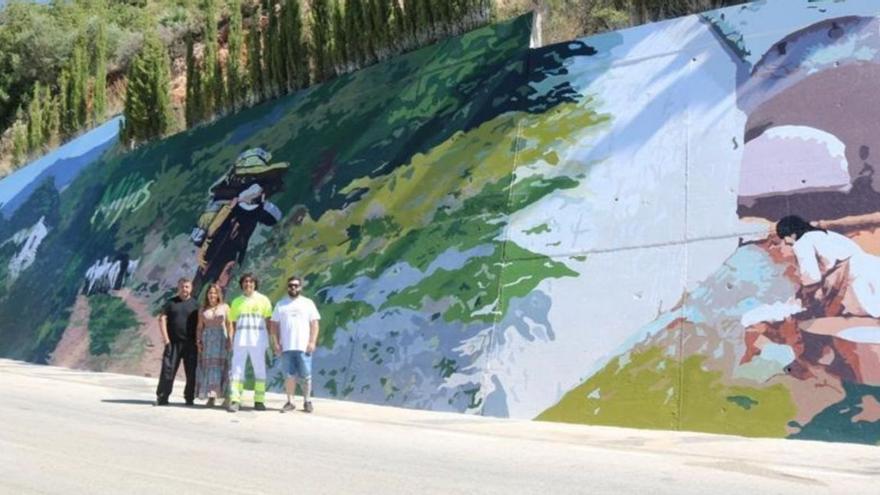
point(293, 317)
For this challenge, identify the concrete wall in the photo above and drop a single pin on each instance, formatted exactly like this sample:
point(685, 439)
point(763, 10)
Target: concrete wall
point(580, 232)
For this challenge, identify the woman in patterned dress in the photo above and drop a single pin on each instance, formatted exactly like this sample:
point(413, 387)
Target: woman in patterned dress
point(213, 328)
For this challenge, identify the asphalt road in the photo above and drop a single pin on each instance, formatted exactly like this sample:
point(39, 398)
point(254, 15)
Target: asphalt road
point(66, 431)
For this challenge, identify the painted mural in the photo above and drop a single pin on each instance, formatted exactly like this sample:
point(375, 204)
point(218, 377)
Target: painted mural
point(673, 226)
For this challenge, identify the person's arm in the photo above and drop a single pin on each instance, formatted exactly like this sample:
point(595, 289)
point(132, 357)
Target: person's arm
point(274, 335)
point(274, 330)
point(200, 331)
point(313, 336)
point(163, 327)
point(227, 325)
point(808, 261)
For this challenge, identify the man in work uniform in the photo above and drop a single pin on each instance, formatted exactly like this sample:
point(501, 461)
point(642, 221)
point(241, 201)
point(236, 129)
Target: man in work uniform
point(249, 314)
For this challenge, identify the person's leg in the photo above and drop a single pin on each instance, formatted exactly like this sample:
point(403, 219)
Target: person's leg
point(170, 363)
point(288, 367)
point(236, 374)
point(258, 361)
point(190, 356)
point(305, 373)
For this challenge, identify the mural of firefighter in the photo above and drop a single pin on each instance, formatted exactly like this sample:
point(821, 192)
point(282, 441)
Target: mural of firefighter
point(238, 203)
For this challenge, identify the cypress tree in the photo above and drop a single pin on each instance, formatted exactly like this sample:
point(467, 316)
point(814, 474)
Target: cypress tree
point(64, 103)
point(52, 129)
point(399, 31)
point(79, 99)
point(355, 32)
point(297, 53)
point(321, 39)
point(99, 101)
point(35, 120)
point(193, 113)
point(210, 83)
point(424, 22)
point(147, 100)
point(341, 57)
point(382, 30)
point(19, 141)
point(235, 86)
point(255, 58)
point(278, 53)
point(411, 12)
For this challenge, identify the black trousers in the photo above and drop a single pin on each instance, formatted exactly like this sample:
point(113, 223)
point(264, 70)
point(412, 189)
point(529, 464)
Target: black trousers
point(174, 353)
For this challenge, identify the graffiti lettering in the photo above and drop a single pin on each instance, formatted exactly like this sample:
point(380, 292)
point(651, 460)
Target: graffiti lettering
point(127, 196)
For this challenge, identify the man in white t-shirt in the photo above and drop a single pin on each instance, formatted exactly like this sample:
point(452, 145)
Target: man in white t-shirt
point(295, 319)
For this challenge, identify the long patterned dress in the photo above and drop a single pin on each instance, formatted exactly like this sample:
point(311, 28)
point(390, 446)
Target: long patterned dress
point(213, 359)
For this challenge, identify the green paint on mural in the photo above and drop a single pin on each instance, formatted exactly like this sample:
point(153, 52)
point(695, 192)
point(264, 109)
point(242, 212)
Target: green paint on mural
point(644, 392)
point(108, 317)
point(706, 404)
point(853, 419)
point(336, 315)
point(638, 394)
point(397, 219)
point(538, 229)
point(742, 401)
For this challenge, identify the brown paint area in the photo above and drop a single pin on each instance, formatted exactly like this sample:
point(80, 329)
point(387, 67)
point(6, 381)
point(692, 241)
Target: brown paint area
point(844, 102)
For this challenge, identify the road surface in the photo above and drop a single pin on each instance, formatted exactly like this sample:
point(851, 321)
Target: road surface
point(67, 431)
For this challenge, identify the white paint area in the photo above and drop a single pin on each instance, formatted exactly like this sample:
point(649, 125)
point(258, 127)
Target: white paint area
point(861, 335)
point(29, 240)
point(770, 313)
point(661, 176)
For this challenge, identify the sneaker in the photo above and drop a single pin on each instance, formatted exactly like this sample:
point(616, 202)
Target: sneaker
point(210, 402)
point(190, 403)
point(233, 407)
point(259, 406)
point(307, 407)
point(288, 407)
point(161, 402)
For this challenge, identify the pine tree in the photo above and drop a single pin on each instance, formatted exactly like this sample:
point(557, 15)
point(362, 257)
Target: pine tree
point(297, 53)
point(147, 99)
point(234, 84)
point(255, 58)
point(35, 120)
point(193, 113)
point(322, 48)
point(99, 101)
point(210, 85)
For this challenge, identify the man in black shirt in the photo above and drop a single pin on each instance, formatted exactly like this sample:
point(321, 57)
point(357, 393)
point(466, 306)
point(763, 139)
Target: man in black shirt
point(177, 323)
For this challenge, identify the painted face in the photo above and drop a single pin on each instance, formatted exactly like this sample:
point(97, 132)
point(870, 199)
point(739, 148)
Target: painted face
point(184, 290)
point(294, 287)
point(248, 286)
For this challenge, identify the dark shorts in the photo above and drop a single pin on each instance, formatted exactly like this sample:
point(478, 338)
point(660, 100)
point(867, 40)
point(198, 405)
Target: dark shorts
point(297, 363)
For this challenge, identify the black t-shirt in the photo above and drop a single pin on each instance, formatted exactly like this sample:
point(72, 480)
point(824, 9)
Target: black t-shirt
point(182, 319)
